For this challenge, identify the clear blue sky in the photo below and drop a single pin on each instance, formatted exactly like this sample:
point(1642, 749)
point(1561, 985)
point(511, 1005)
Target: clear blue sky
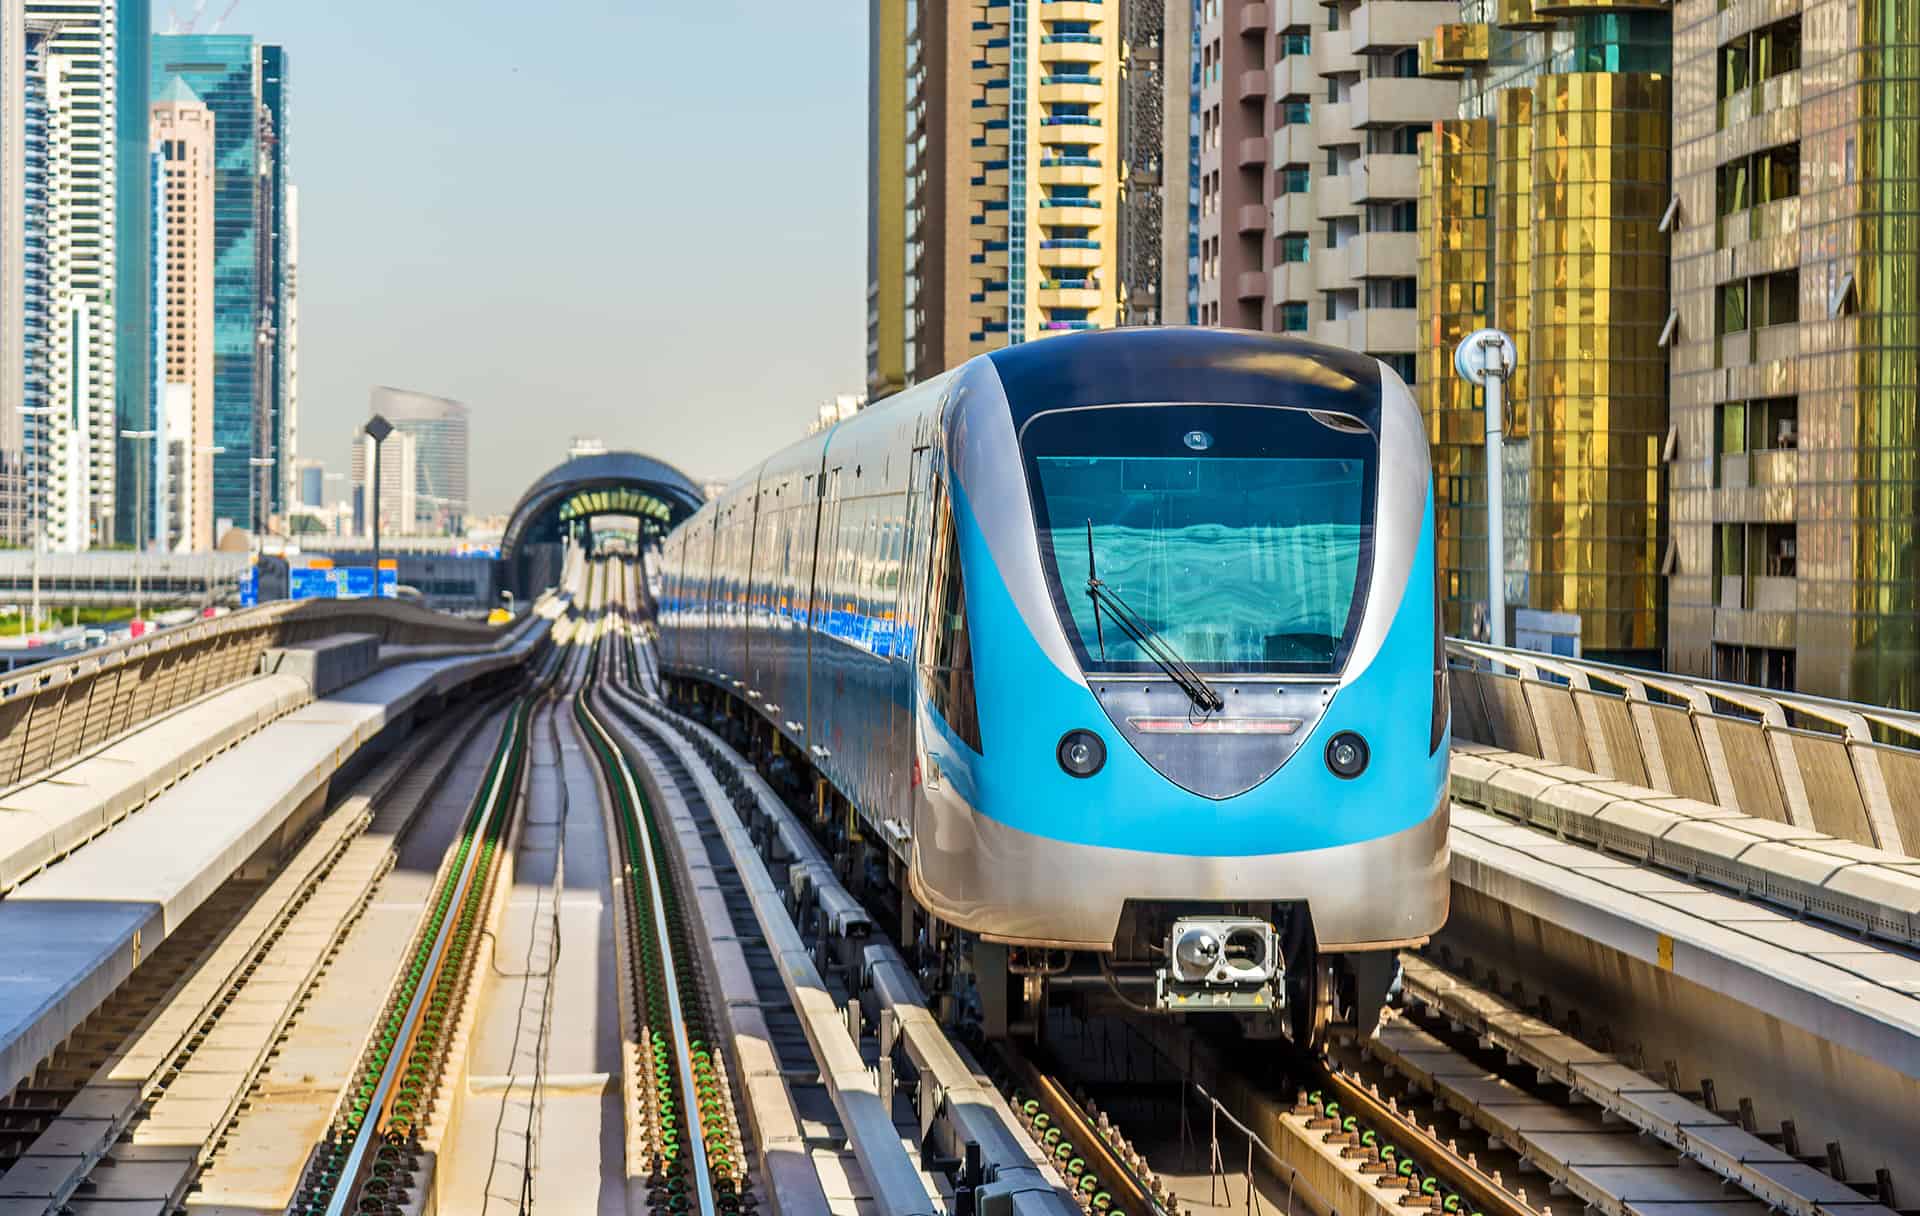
point(626, 218)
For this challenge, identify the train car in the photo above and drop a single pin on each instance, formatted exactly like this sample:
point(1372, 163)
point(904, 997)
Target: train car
point(1115, 658)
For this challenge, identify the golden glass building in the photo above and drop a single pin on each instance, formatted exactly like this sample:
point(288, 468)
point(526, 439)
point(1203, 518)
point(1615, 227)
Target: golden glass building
point(1542, 209)
point(995, 171)
point(1796, 356)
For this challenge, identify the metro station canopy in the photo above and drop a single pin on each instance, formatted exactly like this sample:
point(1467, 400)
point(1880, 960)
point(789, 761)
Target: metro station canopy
point(604, 483)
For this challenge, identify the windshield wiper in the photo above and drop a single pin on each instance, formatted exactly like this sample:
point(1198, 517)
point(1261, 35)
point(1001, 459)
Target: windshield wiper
point(1190, 681)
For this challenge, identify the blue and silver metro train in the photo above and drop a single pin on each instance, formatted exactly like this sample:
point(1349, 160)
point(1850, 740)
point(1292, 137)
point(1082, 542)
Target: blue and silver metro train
point(1114, 658)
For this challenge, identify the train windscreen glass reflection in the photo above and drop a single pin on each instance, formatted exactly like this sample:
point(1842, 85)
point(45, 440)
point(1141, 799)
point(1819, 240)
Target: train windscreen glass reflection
point(1240, 541)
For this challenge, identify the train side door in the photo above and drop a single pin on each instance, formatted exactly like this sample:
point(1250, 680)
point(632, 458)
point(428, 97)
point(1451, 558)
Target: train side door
point(910, 596)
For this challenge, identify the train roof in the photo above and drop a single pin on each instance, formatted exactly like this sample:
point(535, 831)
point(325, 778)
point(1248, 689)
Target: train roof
point(1186, 363)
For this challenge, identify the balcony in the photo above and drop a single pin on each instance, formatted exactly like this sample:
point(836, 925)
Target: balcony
point(1250, 285)
point(1393, 25)
point(1300, 15)
point(1430, 66)
point(1392, 101)
point(1373, 330)
point(1333, 124)
point(1519, 15)
point(1385, 177)
point(1073, 10)
point(1458, 45)
point(1253, 152)
point(1251, 20)
point(1767, 468)
point(1332, 56)
point(1293, 283)
point(1383, 255)
point(1059, 171)
point(1292, 214)
point(1072, 48)
point(1069, 255)
point(1332, 195)
point(1761, 593)
point(1329, 268)
point(1776, 343)
point(1080, 90)
point(1060, 295)
point(1251, 217)
point(1253, 84)
point(1292, 145)
point(1061, 131)
point(1295, 78)
point(1581, 8)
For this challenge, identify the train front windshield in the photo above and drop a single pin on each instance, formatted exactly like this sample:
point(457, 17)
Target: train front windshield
point(1241, 535)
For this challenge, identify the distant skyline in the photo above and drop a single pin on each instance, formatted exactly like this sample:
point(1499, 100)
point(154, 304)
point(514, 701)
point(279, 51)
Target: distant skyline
point(645, 223)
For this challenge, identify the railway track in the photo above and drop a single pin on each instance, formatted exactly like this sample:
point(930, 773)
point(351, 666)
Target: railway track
point(688, 1136)
point(370, 1161)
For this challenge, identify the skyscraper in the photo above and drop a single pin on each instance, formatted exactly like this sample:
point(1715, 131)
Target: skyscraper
point(439, 441)
point(16, 277)
point(1309, 123)
point(244, 85)
point(1796, 348)
point(183, 134)
point(995, 190)
point(1544, 210)
point(82, 160)
point(135, 394)
point(275, 286)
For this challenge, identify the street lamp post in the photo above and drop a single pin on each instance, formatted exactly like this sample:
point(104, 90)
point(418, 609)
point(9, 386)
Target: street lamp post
point(1485, 358)
point(139, 524)
point(377, 429)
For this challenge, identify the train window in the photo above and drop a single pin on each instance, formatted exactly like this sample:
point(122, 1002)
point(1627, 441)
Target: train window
point(946, 662)
point(1241, 535)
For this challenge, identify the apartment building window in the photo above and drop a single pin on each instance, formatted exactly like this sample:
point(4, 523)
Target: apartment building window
point(1333, 17)
point(1333, 310)
point(1396, 65)
point(1300, 43)
point(1393, 217)
point(1766, 176)
point(1753, 59)
point(1402, 364)
point(1761, 666)
point(1392, 293)
point(1767, 299)
point(1293, 248)
point(1749, 437)
point(1757, 564)
point(1293, 113)
point(1294, 180)
point(1293, 318)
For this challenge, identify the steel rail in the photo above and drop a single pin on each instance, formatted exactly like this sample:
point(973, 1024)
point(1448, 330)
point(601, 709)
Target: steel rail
point(368, 1133)
point(682, 1046)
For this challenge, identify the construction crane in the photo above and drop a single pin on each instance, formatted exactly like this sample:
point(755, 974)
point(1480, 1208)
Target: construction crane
point(176, 26)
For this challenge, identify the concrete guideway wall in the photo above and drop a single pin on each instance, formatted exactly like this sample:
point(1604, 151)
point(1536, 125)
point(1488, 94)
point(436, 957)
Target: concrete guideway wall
point(1843, 770)
point(76, 930)
point(52, 713)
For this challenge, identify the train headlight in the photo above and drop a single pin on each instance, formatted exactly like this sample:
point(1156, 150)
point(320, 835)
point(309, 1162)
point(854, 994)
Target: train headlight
point(1081, 753)
point(1347, 755)
point(1216, 951)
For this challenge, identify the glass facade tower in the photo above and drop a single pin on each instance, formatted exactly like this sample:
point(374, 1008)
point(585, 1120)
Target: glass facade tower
point(134, 390)
point(244, 84)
